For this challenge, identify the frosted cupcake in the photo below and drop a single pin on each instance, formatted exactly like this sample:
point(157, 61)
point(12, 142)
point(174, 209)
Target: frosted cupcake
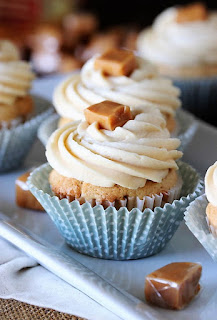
point(211, 194)
point(182, 42)
point(20, 113)
point(112, 183)
point(132, 161)
point(104, 78)
point(201, 215)
point(16, 105)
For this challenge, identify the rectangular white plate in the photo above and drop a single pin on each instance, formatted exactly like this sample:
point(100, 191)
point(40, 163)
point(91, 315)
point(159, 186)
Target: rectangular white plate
point(129, 275)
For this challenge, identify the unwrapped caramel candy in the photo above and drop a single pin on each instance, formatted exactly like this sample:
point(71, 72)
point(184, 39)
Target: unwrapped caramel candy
point(192, 12)
point(24, 198)
point(174, 285)
point(108, 114)
point(116, 62)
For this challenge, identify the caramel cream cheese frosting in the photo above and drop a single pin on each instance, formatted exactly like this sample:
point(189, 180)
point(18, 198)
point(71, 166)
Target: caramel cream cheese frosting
point(143, 87)
point(15, 75)
point(211, 184)
point(169, 42)
point(140, 150)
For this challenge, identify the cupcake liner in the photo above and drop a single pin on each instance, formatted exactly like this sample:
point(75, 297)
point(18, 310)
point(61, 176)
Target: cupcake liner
point(16, 142)
point(110, 233)
point(47, 127)
point(11, 124)
point(199, 96)
point(195, 219)
point(186, 127)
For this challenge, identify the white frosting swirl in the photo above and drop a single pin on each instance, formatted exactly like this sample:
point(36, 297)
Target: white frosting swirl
point(15, 75)
point(142, 149)
point(143, 87)
point(211, 184)
point(176, 44)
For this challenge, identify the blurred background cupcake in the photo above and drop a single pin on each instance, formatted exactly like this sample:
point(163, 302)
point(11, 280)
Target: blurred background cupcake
point(120, 76)
point(20, 113)
point(182, 42)
point(16, 105)
point(121, 165)
point(100, 79)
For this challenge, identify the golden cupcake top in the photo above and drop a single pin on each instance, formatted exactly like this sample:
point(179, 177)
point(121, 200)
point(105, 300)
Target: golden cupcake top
point(181, 36)
point(128, 154)
point(118, 76)
point(211, 184)
point(15, 75)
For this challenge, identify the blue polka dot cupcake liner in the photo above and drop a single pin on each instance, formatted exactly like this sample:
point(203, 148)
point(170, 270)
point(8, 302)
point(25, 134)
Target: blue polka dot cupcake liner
point(115, 234)
point(15, 143)
point(185, 128)
point(196, 221)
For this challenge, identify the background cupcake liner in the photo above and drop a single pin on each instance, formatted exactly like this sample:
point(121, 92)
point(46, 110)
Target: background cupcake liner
point(195, 219)
point(11, 124)
point(110, 233)
point(186, 127)
point(47, 127)
point(16, 142)
point(199, 96)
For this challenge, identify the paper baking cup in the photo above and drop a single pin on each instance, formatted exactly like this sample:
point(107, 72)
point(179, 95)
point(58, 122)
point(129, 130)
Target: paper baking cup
point(47, 127)
point(110, 233)
point(195, 219)
point(185, 129)
point(199, 96)
point(17, 141)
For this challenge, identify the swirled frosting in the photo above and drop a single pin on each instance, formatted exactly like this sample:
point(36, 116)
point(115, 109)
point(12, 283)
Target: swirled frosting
point(128, 156)
point(171, 43)
point(211, 184)
point(15, 75)
point(143, 87)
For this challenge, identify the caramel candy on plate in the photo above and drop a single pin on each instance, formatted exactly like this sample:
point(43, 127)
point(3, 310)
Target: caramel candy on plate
point(192, 12)
point(116, 62)
point(24, 198)
point(174, 285)
point(108, 114)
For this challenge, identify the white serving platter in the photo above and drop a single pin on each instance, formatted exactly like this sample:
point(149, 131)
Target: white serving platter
point(128, 275)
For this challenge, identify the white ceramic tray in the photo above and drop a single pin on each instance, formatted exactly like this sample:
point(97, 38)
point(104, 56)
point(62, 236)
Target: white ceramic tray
point(129, 275)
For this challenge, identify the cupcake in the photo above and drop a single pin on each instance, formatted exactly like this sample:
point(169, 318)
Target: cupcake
point(201, 215)
point(118, 159)
point(211, 194)
point(119, 76)
point(126, 152)
point(20, 113)
point(182, 42)
point(15, 81)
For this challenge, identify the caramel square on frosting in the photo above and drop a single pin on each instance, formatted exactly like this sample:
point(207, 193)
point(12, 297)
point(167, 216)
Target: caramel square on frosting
point(108, 114)
point(174, 285)
point(192, 12)
point(116, 62)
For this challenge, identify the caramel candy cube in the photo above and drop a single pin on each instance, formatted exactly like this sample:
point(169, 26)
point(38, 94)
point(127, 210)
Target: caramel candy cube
point(108, 114)
point(116, 62)
point(24, 198)
point(174, 285)
point(192, 12)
